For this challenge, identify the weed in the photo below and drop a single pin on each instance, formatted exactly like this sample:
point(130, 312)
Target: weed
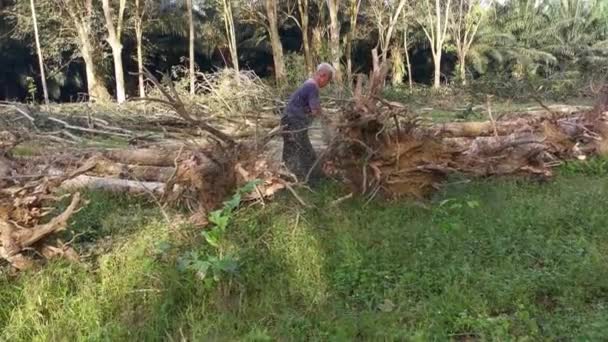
point(214, 260)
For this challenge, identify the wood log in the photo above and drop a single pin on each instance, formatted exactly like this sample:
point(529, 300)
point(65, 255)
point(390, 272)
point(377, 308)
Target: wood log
point(112, 185)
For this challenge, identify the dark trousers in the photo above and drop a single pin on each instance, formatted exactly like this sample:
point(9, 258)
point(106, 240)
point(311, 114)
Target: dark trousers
point(298, 153)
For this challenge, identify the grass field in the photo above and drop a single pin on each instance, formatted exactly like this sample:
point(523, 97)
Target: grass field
point(487, 260)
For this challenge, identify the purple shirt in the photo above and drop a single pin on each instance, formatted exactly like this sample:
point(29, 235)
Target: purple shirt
point(303, 101)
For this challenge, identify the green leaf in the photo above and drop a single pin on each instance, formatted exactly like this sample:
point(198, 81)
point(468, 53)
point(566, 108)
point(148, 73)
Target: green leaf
point(219, 220)
point(212, 237)
point(233, 203)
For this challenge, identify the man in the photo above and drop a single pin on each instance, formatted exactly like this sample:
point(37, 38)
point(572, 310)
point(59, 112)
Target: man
point(303, 106)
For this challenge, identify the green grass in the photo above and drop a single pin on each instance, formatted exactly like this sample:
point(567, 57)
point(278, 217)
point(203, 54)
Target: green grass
point(489, 260)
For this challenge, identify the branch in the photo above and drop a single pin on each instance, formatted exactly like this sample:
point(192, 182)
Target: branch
point(176, 103)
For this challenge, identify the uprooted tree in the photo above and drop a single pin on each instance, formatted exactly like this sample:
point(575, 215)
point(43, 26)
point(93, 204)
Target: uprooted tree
point(377, 147)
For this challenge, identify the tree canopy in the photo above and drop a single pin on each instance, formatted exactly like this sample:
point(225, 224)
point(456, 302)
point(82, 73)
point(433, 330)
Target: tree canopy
point(88, 50)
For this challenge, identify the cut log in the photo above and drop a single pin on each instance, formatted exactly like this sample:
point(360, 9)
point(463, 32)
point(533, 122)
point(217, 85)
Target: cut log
point(112, 185)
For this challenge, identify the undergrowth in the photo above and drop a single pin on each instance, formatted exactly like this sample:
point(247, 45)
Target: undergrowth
point(488, 260)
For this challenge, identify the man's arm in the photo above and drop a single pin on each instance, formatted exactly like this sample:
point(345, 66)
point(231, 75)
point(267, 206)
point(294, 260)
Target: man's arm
point(314, 102)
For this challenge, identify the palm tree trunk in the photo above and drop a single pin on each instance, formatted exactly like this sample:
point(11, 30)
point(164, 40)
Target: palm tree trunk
point(39, 52)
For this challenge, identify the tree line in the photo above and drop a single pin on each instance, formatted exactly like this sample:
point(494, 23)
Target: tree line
point(52, 40)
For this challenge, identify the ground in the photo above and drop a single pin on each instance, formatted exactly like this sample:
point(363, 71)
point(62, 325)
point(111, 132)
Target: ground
point(494, 259)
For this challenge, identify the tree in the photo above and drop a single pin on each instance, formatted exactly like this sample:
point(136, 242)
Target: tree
point(140, 17)
point(435, 26)
point(303, 9)
point(465, 24)
point(407, 42)
point(275, 41)
point(230, 34)
point(39, 51)
point(82, 15)
point(115, 42)
point(334, 36)
point(384, 10)
point(353, 9)
point(191, 46)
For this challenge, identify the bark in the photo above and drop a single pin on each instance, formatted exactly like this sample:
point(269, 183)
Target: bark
point(114, 39)
point(191, 46)
point(334, 37)
point(303, 8)
point(39, 52)
point(275, 41)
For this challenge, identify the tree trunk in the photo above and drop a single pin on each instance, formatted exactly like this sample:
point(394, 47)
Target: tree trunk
point(354, 11)
point(275, 40)
point(191, 46)
point(116, 46)
point(407, 59)
point(95, 83)
point(303, 7)
point(39, 51)
point(231, 35)
point(462, 68)
point(140, 58)
point(139, 33)
point(334, 37)
point(437, 63)
point(398, 69)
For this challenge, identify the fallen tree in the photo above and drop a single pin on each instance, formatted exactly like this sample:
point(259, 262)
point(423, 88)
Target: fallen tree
point(377, 147)
point(381, 149)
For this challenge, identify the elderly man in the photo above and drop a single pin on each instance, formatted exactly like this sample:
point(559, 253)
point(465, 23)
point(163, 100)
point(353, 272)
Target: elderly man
point(303, 106)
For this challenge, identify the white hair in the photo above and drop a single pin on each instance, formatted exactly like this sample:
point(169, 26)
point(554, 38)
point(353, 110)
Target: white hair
point(326, 68)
